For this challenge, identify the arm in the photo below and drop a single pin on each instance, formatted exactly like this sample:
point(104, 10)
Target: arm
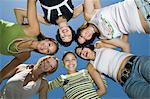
point(22, 13)
point(97, 79)
point(121, 43)
point(58, 82)
point(10, 68)
point(100, 44)
point(43, 89)
point(90, 7)
point(33, 29)
point(77, 10)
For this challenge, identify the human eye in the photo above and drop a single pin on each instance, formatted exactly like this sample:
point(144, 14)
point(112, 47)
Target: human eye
point(49, 44)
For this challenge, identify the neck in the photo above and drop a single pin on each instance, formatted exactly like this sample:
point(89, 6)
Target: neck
point(37, 73)
point(72, 71)
point(62, 22)
point(94, 28)
point(34, 44)
point(93, 56)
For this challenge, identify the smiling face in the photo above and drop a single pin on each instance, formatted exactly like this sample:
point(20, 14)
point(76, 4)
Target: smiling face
point(65, 34)
point(70, 62)
point(86, 53)
point(86, 34)
point(47, 47)
point(49, 64)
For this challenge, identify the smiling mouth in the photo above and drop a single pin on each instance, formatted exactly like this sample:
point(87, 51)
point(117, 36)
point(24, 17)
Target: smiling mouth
point(85, 54)
point(64, 30)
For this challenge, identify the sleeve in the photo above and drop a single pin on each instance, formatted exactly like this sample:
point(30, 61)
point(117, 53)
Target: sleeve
point(58, 82)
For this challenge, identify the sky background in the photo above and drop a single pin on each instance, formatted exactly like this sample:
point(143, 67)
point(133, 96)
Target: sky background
point(140, 45)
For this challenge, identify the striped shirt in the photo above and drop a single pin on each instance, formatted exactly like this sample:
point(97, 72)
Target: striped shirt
point(76, 86)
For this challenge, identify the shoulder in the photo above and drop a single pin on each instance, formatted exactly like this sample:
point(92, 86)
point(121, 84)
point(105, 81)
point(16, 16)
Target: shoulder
point(44, 84)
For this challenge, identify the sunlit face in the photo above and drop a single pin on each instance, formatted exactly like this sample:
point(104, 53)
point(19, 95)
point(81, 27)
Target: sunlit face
point(65, 34)
point(86, 34)
point(49, 64)
point(46, 47)
point(70, 62)
point(85, 53)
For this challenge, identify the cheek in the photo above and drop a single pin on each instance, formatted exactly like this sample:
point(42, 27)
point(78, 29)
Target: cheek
point(66, 63)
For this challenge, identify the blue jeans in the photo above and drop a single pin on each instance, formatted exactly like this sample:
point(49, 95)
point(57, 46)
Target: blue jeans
point(137, 85)
point(144, 7)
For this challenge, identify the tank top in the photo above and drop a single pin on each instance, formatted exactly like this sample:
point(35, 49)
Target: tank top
point(9, 33)
point(54, 8)
point(108, 61)
point(115, 20)
point(14, 88)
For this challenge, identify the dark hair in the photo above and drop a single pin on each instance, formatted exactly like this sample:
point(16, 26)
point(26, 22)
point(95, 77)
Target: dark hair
point(65, 44)
point(41, 37)
point(79, 30)
point(69, 52)
point(87, 46)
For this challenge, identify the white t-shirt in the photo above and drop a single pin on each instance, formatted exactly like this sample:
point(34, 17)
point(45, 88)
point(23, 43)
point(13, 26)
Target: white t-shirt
point(118, 19)
point(108, 61)
point(14, 88)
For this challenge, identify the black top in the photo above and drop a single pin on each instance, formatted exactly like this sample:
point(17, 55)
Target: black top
point(54, 13)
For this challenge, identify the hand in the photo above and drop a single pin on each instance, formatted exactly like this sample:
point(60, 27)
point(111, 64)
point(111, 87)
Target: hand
point(99, 44)
point(64, 97)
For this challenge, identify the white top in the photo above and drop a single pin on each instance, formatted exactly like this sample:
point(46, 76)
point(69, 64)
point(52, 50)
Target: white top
point(14, 88)
point(118, 19)
point(108, 61)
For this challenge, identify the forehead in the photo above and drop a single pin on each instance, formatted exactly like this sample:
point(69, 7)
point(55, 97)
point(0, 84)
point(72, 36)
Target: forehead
point(69, 55)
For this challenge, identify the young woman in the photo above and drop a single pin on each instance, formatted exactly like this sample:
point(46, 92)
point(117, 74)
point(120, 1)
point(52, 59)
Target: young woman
point(113, 23)
point(78, 84)
point(132, 72)
point(19, 40)
point(28, 80)
point(59, 12)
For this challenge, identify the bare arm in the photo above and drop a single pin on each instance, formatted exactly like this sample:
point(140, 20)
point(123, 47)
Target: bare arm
point(114, 43)
point(90, 7)
point(77, 10)
point(33, 29)
point(10, 68)
point(97, 79)
point(22, 13)
point(43, 89)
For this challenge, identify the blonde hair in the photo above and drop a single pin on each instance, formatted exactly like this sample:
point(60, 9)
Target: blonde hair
point(42, 59)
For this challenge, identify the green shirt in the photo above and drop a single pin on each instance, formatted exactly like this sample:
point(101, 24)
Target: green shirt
point(76, 86)
point(9, 32)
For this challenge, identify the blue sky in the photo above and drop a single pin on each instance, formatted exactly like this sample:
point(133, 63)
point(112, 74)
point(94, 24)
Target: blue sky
point(140, 45)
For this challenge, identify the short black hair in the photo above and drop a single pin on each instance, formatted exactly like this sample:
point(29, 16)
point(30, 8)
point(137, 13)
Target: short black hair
point(79, 30)
point(41, 37)
point(65, 44)
point(69, 52)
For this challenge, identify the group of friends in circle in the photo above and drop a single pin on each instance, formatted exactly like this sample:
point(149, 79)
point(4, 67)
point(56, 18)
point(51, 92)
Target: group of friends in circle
point(111, 25)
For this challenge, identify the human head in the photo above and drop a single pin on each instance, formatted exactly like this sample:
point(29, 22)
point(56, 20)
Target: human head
point(85, 34)
point(70, 61)
point(48, 64)
point(47, 45)
point(86, 53)
point(65, 36)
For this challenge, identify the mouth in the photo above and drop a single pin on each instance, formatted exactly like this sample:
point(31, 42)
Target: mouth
point(71, 65)
point(85, 54)
point(65, 30)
